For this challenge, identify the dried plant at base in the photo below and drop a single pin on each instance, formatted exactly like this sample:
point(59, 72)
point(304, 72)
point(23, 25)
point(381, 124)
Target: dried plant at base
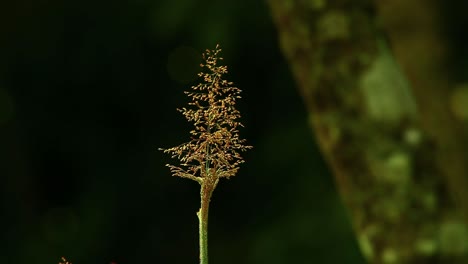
point(214, 149)
point(64, 261)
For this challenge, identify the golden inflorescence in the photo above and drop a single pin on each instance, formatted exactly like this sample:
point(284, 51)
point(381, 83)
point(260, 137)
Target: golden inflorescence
point(214, 149)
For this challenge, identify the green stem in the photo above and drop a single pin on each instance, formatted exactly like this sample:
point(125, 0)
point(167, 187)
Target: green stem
point(207, 188)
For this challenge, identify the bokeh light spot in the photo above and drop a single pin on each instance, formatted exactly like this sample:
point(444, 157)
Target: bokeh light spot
point(459, 102)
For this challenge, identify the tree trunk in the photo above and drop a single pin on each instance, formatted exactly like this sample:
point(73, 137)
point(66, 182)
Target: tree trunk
point(388, 133)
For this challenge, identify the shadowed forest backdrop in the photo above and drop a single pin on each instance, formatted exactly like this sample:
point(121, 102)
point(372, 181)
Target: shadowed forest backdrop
point(88, 92)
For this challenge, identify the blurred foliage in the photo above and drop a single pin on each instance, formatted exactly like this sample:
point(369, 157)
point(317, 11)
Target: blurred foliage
point(88, 92)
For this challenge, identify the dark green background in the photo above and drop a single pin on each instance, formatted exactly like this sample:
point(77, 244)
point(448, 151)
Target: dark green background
point(88, 92)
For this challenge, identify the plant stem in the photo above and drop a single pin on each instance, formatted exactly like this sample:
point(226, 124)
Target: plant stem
point(207, 188)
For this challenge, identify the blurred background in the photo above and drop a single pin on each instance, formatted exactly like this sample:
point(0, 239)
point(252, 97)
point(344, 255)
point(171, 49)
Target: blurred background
point(88, 93)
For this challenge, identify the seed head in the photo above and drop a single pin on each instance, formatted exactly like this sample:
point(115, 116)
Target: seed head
point(214, 149)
